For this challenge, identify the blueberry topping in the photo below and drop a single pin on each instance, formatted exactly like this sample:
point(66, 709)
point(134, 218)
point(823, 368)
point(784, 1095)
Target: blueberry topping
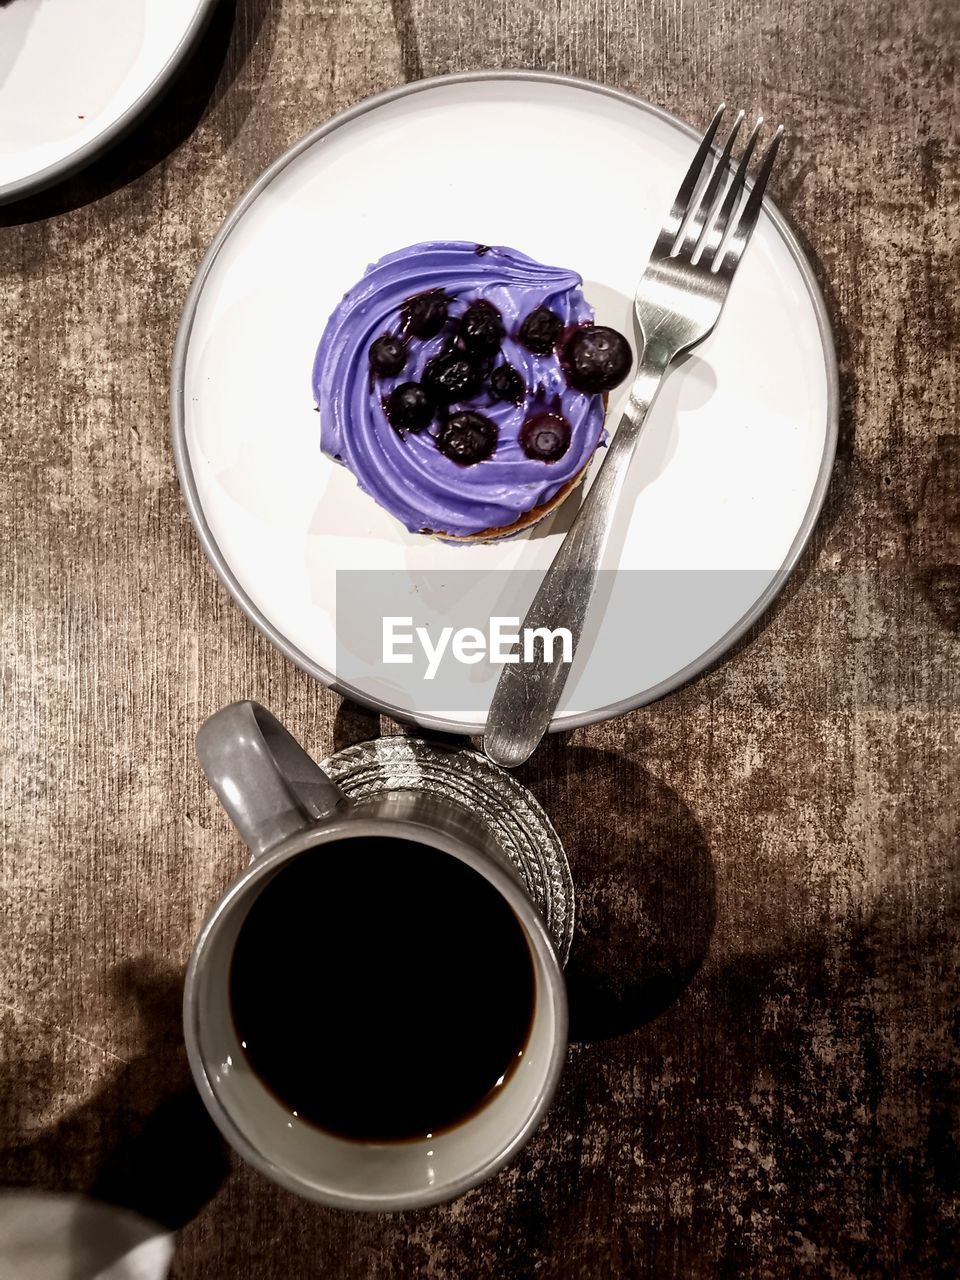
point(388, 355)
point(409, 407)
point(540, 331)
point(481, 328)
point(467, 437)
point(545, 437)
point(482, 363)
point(596, 358)
point(452, 376)
point(506, 383)
point(426, 314)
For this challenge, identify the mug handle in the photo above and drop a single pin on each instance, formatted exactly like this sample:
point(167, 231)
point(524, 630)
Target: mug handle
point(269, 786)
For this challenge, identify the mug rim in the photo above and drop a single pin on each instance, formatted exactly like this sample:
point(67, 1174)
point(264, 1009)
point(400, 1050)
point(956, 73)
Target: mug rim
point(545, 956)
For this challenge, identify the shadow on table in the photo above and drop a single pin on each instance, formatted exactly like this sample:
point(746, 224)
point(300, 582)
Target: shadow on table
point(354, 724)
point(210, 70)
point(798, 1115)
point(643, 880)
point(144, 1140)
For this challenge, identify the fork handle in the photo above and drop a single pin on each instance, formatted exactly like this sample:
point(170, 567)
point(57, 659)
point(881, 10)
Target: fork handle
point(527, 693)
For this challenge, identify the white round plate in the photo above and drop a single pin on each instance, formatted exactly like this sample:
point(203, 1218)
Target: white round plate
point(75, 74)
point(735, 458)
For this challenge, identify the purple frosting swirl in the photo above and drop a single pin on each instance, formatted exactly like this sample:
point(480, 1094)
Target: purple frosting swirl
point(409, 476)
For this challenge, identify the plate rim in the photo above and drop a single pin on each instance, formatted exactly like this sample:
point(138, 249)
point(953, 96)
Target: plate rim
point(191, 497)
point(42, 179)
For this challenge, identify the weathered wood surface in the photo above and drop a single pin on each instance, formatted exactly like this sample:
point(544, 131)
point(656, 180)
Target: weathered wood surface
point(765, 1080)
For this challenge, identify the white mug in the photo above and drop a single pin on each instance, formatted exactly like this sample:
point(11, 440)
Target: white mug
point(284, 805)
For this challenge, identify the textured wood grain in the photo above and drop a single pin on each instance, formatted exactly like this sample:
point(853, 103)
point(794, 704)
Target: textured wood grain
point(765, 978)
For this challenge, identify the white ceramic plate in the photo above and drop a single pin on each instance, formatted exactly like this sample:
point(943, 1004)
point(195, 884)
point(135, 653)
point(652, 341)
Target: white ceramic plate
point(75, 74)
point(735, 458)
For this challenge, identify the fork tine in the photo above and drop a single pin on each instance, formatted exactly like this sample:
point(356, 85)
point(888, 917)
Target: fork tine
point(688, 186)
point(748, 219)
point(707, 205)
point(714, 238)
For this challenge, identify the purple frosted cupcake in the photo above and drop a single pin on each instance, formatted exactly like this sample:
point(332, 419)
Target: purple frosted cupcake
point(464, 386)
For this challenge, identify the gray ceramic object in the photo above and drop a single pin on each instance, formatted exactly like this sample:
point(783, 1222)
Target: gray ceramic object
point(284, 804)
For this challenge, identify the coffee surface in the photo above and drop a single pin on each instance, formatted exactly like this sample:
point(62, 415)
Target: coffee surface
point(381, 990)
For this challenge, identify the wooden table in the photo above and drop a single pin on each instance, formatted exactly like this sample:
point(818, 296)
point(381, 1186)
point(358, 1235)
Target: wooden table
point(764, 1080)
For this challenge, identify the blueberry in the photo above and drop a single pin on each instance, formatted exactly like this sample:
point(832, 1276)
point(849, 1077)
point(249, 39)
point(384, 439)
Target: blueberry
point(506, 383)
point(425, 315)
point(540, 331)
point(596, 358)
point(481, 328)
point(545, 436)
point(388, 355)
point(409, 407)
point(467, 437)
point(452, 376)
point(482, 361)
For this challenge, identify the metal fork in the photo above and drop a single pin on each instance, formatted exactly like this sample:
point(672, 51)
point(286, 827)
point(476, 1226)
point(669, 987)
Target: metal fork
point(678, 303)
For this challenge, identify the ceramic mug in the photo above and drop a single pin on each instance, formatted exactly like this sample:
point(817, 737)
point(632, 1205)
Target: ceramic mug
point(283, 805)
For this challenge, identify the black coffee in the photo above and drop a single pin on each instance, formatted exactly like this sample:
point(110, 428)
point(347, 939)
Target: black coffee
point(380, 989)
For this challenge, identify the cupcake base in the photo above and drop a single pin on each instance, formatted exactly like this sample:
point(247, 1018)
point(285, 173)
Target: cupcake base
point(522, 523)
